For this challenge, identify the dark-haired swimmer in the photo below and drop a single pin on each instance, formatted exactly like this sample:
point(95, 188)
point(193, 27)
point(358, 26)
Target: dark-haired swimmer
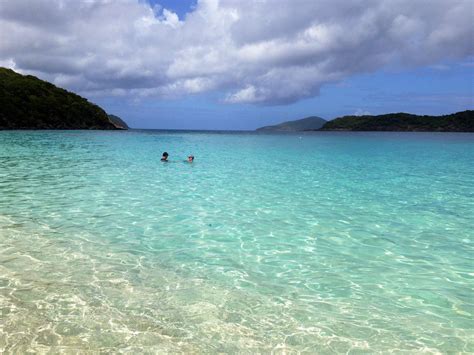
point(190, 158)
point(164, 157)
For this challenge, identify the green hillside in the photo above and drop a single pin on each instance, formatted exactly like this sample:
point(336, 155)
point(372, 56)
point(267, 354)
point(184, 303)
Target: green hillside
point(456, 122)
point(27, 102)
point(117, 121)
point(304, 124)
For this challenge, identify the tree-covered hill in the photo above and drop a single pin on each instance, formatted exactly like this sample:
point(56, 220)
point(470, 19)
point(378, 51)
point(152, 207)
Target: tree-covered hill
point(304, 124)
point(117, 121)
point(456, 122)
point(27, 102)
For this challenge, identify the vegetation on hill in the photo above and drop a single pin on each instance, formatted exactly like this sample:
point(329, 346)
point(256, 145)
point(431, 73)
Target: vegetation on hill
point(456, 122)
point(118, 122)
point(304, 124)
point(27, 102)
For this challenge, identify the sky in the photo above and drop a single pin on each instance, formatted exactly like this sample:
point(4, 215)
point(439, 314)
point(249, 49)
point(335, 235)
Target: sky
point(242, 64)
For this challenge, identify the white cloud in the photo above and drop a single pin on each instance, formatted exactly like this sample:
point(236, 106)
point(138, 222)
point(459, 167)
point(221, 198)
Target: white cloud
point(440, 67)
point(361, 112)
point(260, 52)
point(171, 19)
point(247, 95)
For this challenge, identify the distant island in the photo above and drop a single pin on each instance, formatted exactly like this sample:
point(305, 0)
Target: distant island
point(118, 122)
point(27, 102)
point(404, 122)
point(304, 124)
point(399, 122)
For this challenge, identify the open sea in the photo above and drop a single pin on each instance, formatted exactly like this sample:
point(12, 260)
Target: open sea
point(316, 243)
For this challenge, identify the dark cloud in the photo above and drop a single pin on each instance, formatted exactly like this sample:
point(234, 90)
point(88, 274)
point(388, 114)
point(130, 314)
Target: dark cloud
point(261, 52)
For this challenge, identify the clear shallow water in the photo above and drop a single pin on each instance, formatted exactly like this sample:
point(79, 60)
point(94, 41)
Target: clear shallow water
point(313, 243)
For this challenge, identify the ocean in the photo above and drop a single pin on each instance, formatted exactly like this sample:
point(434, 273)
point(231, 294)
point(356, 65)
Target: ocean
point(318, 242)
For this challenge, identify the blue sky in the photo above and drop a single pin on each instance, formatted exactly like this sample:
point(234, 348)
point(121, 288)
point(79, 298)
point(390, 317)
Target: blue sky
point(180, 7)
point(424, 90)
point(230, 64)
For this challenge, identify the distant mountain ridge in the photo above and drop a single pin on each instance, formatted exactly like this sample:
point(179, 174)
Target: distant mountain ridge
point(404, 122)
point(118, 122)
point(27, 102)
point(304, 124)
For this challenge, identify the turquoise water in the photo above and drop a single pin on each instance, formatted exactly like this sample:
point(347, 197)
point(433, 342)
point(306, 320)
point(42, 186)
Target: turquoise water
point(312, 243)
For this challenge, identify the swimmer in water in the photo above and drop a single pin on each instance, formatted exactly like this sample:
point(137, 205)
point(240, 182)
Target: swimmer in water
point(164, 157)
point(190, 158)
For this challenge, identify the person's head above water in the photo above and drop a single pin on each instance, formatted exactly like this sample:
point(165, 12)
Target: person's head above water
point(191, 158)
point(164, 157)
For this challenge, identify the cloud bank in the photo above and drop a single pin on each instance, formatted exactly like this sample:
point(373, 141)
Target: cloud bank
point(260, 52)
